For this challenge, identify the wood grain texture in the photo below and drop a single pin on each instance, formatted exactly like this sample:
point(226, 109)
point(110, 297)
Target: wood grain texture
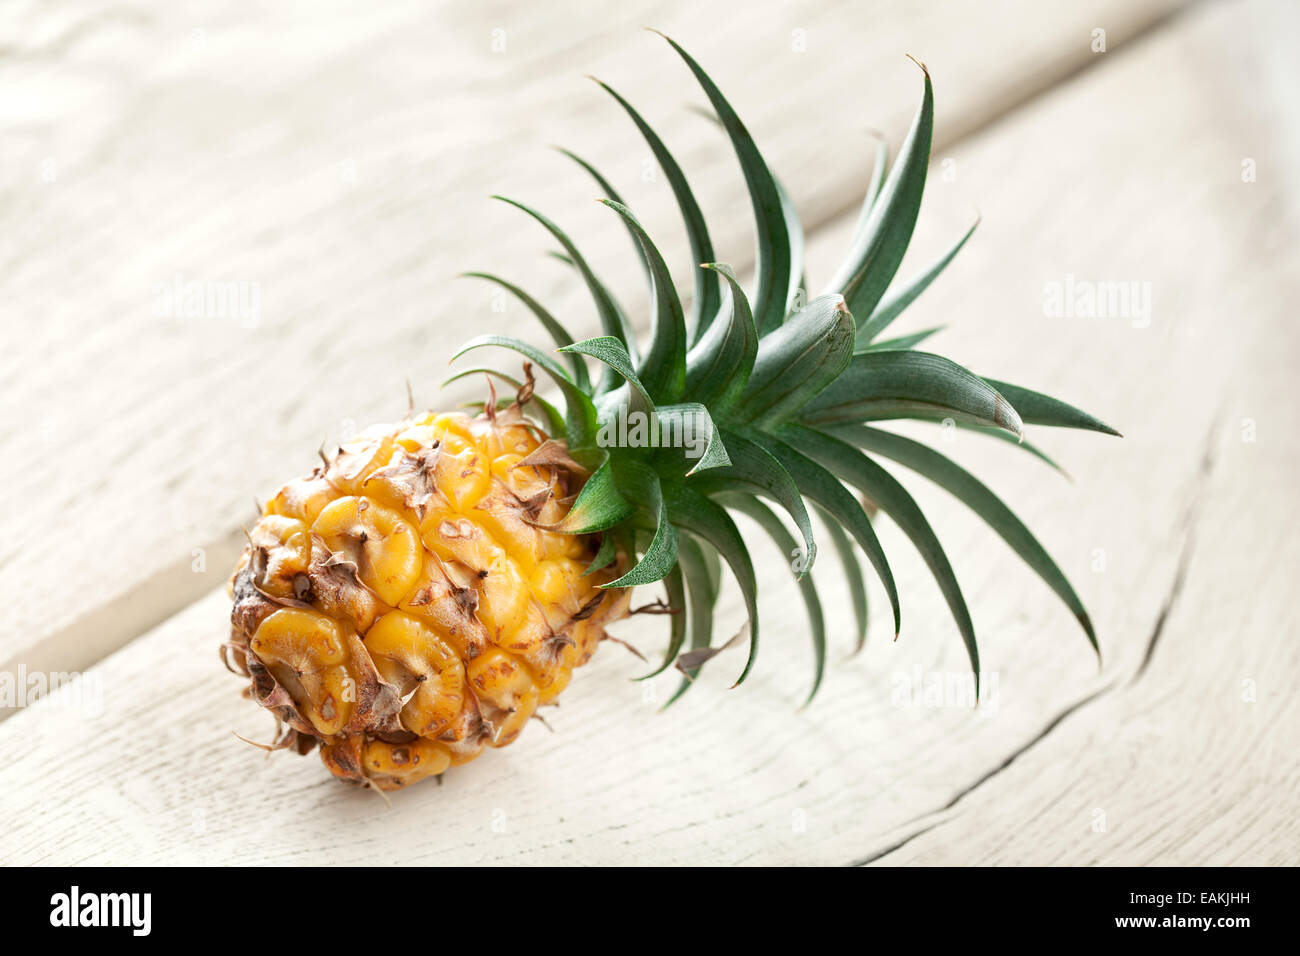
point(338, 162)
point(1178, 537)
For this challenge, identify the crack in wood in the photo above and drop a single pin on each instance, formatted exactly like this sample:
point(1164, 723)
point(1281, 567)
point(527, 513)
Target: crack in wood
point(896, 846)
point(1189, 523)
point(989, 775)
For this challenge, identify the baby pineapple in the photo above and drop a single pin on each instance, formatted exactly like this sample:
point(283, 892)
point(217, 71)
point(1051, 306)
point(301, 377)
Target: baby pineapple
point(403, 607)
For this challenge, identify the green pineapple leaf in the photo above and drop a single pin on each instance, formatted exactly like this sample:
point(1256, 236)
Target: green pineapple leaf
point(664, 368)
point(878, 249)
point(852, 574)
point(605, 555)
point(682, 420)
point(703, 575)
point(612, 319)
point(820, 485)
point(611, 353)
point(975, 495)
point(661, 555)
point(906, 384)
point(600, 504)
point(799, 360)
point(776, 279)
point(675, 590)
point(1035, 408)
point(707, 301)
point(892, 498)
point(786, 544)
point(756, 469)
point(559, 334)
point(709, 521)
point(892, 307)
point(719, 366)
point(580, 412)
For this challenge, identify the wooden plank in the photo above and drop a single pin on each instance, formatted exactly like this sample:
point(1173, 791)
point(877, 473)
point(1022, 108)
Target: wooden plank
point(1189, 760)
point(1180, 533)
point(340, 174)
point(1189, 754)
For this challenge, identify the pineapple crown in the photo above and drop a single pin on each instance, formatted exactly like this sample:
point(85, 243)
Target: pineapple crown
point(761, 396)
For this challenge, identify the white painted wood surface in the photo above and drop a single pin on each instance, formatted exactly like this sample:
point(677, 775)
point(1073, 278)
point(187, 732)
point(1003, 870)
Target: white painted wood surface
point(341, 161)
point(1182, 749)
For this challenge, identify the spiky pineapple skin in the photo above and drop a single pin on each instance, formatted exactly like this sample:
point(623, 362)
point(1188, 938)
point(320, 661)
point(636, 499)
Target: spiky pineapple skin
point(402, 606)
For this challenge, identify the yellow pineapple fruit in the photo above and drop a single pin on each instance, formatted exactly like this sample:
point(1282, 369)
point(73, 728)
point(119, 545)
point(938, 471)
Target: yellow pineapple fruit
point(403, 606)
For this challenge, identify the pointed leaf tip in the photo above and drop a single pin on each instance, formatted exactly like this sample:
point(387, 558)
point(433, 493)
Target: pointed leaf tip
point(779, 244)
point(1007, 417)
point(1085, 621)
point(1039, 409)
point(918, 63)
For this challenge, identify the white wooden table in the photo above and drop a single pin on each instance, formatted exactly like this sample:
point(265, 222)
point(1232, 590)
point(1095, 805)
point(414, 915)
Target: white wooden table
point(340, 162)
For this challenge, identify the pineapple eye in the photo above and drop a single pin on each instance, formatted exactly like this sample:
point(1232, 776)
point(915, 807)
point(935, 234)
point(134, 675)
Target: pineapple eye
point(418, 436)
point(477, 565)
point(281, 555)
point(559, 586)
point(462, 473)
point(448, 607)
point(406, 762)
point(428, 673)
point(454, 423)
point(383, 546)
point(302, 498)
point(497, 440)
point(306, 652)
point(356, 460)
point(507, 691)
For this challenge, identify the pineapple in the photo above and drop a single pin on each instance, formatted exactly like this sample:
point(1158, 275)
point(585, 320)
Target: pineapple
point(434, 582)
point(404, 605)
